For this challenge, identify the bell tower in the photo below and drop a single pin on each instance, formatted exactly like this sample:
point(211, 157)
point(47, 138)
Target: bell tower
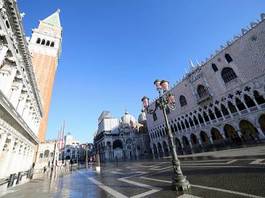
point(45, 48)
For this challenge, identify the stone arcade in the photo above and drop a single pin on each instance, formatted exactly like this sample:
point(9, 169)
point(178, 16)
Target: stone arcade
point(220, 102)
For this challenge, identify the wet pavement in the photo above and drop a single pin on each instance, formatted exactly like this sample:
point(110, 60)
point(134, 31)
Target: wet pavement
point(222, 178)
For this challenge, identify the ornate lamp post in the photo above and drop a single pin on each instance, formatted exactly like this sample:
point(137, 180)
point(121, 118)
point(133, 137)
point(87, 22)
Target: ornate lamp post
point(167, 100)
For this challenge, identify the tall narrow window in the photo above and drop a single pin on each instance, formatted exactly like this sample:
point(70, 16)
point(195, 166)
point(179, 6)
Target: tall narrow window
point(154, 116)
point(38, 41)
point(182, 100)
point(52, 44)
point(228, 74)
point(43, 42)
point(47, 43)
point(228, 58)
point(215, 68)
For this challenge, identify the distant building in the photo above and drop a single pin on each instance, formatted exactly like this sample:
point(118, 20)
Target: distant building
point(124, 139)
point(220, 102)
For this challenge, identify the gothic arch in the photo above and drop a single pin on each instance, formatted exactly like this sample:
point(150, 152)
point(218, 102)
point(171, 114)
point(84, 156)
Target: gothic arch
point(185, 141)
point(193, 139)
point(258, 97)
point(206, 117)
point(224, 110)
point(200, 119)
point(240, 104)
point(178, 146)
point(248, 130)
point(231, 107)
point(165, 147)
point(160, 151)
point(211, 115)
point(217, 112)
point(204, 138)
point(191, 122)
point(249, 101)
point(216, 135)
point(187, 124)
point(155, 151)
point(231, 134)
point(195, 120)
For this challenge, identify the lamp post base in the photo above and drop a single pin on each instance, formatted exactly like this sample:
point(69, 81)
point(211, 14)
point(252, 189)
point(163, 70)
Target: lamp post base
point(180, 184)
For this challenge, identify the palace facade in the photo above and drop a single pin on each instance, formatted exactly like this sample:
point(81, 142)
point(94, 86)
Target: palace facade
point(220, 102)
point(20, 103)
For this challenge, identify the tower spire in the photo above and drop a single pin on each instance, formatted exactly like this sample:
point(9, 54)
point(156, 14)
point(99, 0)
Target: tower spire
point(53, 19)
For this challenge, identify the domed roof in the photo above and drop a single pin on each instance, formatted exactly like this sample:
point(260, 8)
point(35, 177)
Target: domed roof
point(142, 118)
point(128, 119)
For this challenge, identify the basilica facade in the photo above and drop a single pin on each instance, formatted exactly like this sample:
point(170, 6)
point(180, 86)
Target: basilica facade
point(121, 139)
point(220, 102)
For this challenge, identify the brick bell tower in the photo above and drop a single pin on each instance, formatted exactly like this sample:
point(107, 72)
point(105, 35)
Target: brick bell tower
point(45, 49)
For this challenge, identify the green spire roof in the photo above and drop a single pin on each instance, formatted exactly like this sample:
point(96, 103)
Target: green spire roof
point(53, 19)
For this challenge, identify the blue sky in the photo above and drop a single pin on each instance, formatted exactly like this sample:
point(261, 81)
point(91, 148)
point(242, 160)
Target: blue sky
point(113, 50)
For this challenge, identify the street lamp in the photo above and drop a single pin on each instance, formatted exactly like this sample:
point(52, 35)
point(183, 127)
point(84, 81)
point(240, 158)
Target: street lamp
point(167, 100)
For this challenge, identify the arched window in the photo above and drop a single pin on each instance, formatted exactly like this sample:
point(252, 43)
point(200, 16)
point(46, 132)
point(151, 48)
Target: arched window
point(249, 101)
point(182, 100)
point(228, 74)
point(195, 120)
point(52, 44)
point(47, 43)
point(214, 67)
point(38, 41)
point(217, 112)
point(202, 91)
point(224, 110)
point(259, 98)
point(228, 58)
point(187, 124)
point(43, 42)
point(231, 107)
point(240, 105)
point(46, 153)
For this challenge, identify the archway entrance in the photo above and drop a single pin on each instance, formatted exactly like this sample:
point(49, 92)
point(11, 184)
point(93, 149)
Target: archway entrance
point(206, 143)
point(262, 123)
point(196, 147)
point(231, 134)
point(166, 151)
point(178, 147)
point(155, 151)
point(160, 151)
point(248, 131)
point(186, 145)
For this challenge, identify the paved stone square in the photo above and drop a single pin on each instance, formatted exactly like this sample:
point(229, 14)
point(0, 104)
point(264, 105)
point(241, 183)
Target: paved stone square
point(209, 178)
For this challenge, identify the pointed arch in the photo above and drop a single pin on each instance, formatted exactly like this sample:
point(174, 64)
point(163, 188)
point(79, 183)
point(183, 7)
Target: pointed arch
point(248, 131)
point(211, 115)
point(231, 134)
point(217, 112)
point(191, 122)
point(160, 151)
point(231, 107)
point(204, 138)
point(224, 110)
point(155, 151)
point(195, 120)
point(165, 147)
point(187, 124)
point(259, 98)
point(194, 139)
point(240, 104)
point(200, 118)
point(216, 135)
point(249, 101)
point(182, 125)
point(206, 117)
